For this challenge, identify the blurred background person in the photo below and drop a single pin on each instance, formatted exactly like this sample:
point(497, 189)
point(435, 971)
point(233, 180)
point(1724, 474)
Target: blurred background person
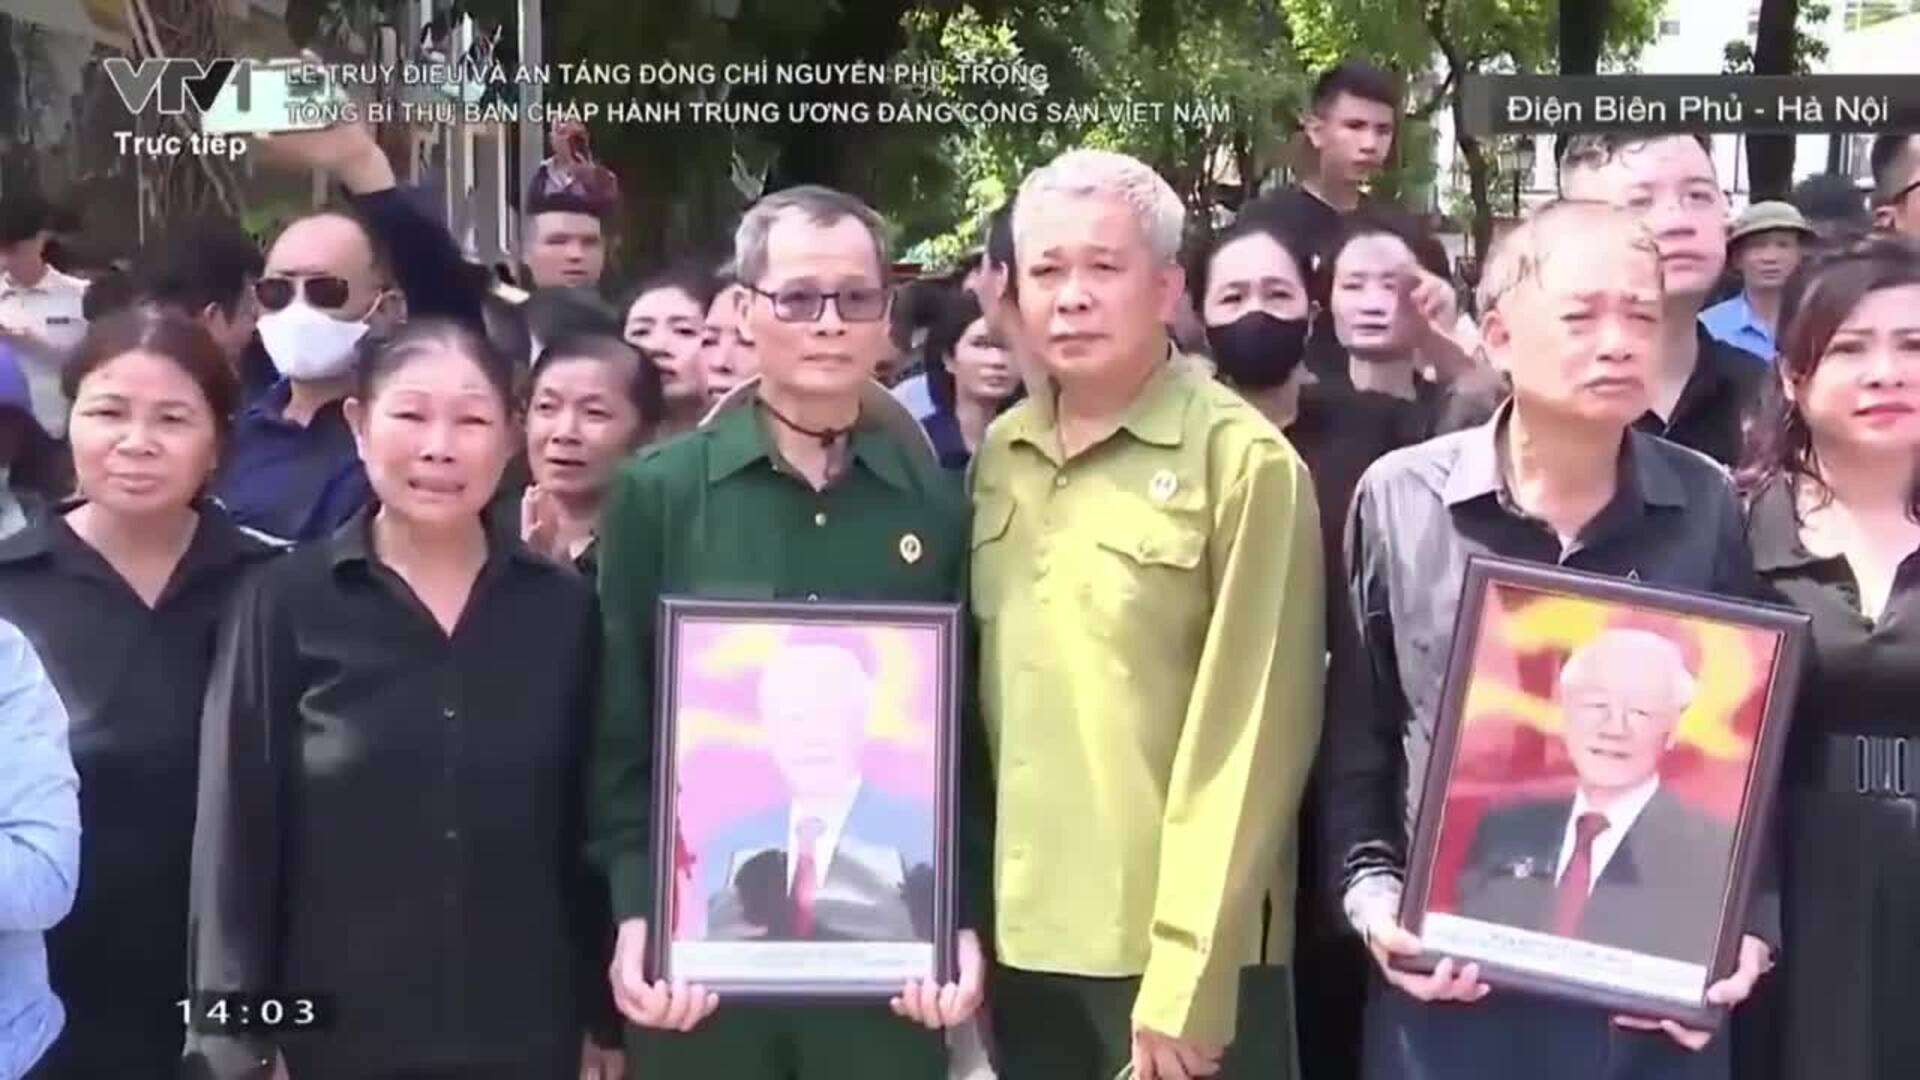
point(1764, 248)
point(120, 593)
point(428, 874)
point(1371, 272)
point(334, 284)
point(40, 825)
point(1834, 205)
point(667, 322)
point(593, 400)
point(970, 377)
point(1895, 160)
point(1703, 389)
point(205, 269)
point(36, 471)
point(1833, 493)
point(572, 170)
point(566, 242)
point(728, 356)
point(39, 305)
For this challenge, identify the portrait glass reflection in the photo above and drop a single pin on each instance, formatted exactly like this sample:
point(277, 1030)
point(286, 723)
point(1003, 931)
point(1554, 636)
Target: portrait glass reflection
point(806, 830)
point(1604, 757)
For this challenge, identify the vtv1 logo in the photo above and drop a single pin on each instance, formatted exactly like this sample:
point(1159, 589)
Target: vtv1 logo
point(178, 80)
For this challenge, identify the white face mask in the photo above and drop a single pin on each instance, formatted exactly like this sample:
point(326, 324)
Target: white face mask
point(307, 344)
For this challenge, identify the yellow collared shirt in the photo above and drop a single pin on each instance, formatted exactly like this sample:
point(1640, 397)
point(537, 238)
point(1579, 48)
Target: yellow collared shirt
point(1152, 648)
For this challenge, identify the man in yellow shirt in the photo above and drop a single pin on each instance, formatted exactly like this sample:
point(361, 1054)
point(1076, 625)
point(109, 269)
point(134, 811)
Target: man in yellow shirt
point(1147, 579)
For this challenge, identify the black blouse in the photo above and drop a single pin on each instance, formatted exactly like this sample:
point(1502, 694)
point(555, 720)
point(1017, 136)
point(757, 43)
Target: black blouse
point(1863, 675)
point(391, 816)
point(132, 679)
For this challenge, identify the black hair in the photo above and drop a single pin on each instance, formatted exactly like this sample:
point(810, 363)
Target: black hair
point(566, 202)
point(1289, 230)
point(416, 337)
point(25, 216)
point(1831, 199)
point(556, 313)
point(111, 292)
point(207, 260)
point(165, 333)
point(643, 387)
point(1818, 299)
point(1594, 149)
point(1358, 78)
point(1382, 221)
point(999, 235)
point(953, 310)
point(694, 279)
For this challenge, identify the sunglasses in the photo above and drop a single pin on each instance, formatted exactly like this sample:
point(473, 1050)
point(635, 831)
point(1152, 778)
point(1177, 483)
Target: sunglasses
point(862, 303)
point(324, 291)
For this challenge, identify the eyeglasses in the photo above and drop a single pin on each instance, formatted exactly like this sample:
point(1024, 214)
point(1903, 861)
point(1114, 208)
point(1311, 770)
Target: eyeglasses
point(862, 303)
point(1898, 197)
point(324, 291)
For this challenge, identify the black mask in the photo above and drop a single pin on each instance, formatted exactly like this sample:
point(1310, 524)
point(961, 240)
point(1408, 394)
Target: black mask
point(1257, 350)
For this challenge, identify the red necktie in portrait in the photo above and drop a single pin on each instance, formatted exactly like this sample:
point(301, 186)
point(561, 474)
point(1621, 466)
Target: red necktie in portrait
point(1575, 885)
point(804, 875)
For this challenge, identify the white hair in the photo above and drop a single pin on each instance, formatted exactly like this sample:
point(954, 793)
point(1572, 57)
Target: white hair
point(1092, 173)
point(1636, 650)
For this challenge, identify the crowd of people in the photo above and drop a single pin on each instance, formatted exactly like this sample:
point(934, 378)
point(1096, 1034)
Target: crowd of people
point(330, 577)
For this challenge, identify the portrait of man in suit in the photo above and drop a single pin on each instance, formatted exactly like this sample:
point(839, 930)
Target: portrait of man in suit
point(1623, 862)
point(840, 860)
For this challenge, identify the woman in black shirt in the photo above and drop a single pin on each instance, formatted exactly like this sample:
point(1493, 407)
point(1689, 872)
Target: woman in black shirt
point(388, 830)
point(592, 401)
point(1834, 521)
point(120, 592)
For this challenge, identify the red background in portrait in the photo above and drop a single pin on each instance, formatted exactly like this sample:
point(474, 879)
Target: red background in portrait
point(1509, 746)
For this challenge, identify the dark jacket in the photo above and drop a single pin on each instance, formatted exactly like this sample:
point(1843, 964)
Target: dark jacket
point(1660, 893)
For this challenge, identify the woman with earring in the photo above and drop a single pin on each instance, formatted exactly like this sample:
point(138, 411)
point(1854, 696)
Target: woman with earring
point(120, 592)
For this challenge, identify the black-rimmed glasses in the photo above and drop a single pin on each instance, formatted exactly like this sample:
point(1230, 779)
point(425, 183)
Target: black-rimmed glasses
point(800, 303)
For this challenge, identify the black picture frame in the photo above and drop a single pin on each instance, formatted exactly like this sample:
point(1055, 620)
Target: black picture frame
point(676, 613)
point(1585, 978)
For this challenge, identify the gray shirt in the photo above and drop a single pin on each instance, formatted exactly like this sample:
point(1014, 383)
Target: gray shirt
point(1417, 517)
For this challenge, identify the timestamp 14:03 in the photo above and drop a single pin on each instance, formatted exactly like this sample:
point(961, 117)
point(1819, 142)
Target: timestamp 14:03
point(234, 1013)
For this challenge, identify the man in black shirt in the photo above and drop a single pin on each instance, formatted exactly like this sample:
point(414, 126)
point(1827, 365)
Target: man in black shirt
point(1350, 126)
point(1703, 388)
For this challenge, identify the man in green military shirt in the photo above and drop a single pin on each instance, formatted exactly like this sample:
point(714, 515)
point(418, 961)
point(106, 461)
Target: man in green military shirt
point(1148, 587)
point(798, 497)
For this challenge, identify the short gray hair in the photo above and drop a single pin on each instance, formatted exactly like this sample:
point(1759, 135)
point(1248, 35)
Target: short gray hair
point(1518, 256)
point(821, 206)
point(1643, 648)
point(1084, 173)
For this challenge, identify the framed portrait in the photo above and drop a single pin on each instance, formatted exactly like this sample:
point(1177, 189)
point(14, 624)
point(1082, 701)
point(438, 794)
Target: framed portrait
point(804, 801)
point(1603, 767)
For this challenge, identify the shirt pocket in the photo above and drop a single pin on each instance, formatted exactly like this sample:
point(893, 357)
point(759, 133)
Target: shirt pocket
point(1146, 565)
point(987, 554)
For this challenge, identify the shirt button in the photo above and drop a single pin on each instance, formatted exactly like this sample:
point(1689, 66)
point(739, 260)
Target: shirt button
point(1060, 481)
point(820, 518)
point(447, 713)
point(453, 834)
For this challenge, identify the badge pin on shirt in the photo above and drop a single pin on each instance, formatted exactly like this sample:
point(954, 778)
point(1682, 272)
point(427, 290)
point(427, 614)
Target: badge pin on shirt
point(910, 548)
point(1163, 485)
